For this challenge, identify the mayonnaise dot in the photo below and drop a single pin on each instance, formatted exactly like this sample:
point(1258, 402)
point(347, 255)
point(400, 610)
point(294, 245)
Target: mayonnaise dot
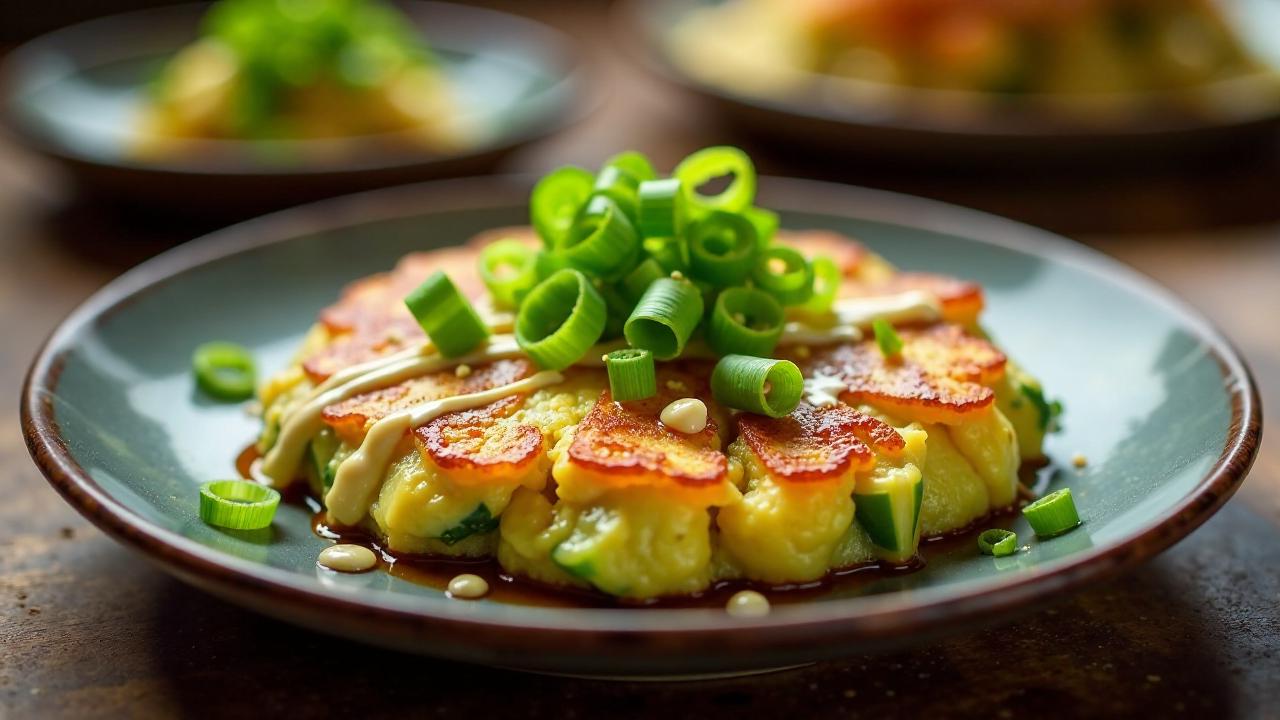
point(463, 370)
point(686, 415)
point(468, 587)
point(747, 603)
point(348, 558)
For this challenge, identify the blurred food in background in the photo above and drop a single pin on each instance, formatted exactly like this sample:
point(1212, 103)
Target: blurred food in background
point(302, 69)
point(997, 46)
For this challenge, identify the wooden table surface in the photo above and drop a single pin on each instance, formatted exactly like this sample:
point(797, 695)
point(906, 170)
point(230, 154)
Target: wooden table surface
point(88, 629)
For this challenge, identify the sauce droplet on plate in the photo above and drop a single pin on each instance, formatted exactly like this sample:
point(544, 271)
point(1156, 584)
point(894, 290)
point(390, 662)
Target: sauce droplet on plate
point(686, 415)
point(747, 603)
point(348, 558)
point(468, 587)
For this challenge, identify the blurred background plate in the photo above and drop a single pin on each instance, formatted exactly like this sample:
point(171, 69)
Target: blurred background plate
point(74, 95)
point(1161, 405)
point(834, 115)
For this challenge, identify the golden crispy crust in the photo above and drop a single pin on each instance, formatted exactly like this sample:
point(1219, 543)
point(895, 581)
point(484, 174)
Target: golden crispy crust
point(628, 441)
point(478, 444)
point(815, 444)
point(351, 418)
point(938, 378)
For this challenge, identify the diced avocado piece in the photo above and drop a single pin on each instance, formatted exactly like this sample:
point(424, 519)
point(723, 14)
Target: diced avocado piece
point(887, 505)
point(478, 522)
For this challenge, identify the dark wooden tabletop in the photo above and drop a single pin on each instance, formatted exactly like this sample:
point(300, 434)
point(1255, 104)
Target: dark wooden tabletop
point(88, 629)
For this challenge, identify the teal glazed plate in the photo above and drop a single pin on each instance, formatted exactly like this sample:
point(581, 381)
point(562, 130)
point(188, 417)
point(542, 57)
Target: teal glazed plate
point(74, 96)
point(1160, 404)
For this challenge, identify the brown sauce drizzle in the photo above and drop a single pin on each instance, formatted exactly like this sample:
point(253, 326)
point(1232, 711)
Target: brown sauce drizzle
point(436, 572)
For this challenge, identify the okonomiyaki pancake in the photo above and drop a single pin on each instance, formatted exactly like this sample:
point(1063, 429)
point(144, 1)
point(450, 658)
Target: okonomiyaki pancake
point(708, 434)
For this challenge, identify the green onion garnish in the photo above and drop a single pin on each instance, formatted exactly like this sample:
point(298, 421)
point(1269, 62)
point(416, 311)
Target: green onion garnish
point(745, 321)
point(509, 269)
point(886, 338)
point(887, 505)
point(657, 216)
point(998, 542)
point(555, 203)
point(756, 384)
point(238, 504)
point(708, 164)
point(1053, 514)
point(785, 274)
point(634, 163)
point(619, 186)
point(631, 374)
point(560, 319)
point(639, 279)
point(766, 222)
point(665, 317)
point(224, 370)
point(446, 316)
point(826, 285)
point(722, 248)
point(670, 253)
point(602, 242)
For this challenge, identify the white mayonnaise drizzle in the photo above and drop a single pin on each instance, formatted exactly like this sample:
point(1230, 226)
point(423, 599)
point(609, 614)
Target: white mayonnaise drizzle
point(360, 475)
point(851, 315)
point(823, 390)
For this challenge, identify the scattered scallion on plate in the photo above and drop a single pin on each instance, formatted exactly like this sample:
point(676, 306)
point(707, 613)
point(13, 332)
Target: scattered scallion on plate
point(224, 370)
point(998, 542)
point(238, 504)
point(1053, 514)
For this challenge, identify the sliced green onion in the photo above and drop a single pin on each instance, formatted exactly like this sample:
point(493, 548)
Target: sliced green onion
point(619, 186)
point(722, 248)
point(602, 242)
point(639, 279)
point(998, 542)
point(657, 214)
point(708, 164)
point(793, 285)
point(665, 317)
point(617, 310)
point(238, 504)
point(887, 505)
point(224, 370)
point(556, 201)
point(886, 338)
point(634, 163)
point(546, 263)
point(631, 374)
point(509, 269)
point(826, 285)
point(766, 222)
point(1053, 514)
point(446, 316)
point(745, 321)
point(560, 320)
point(764, 386)
point(670, 253)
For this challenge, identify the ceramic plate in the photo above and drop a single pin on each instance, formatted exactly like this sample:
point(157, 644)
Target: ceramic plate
point(1158, 402)
point(74, 94)
point(837, 115)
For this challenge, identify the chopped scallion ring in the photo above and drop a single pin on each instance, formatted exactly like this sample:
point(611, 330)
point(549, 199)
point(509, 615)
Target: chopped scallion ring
point(785, 274)
point(509, 270)
point(602, 242)
point(665, 317)
point(560, 319)
point(639, 279)
point(634, 163)
point(238, 504)
point(998, 542)
point(722, 248)
point(887, 338)
point(745, 321)
point(619, 186)
point(764, 386)
point(766, 222)
point(446, 316)
point(669, 252)
point(708, 164)
point(224, 370)
point(1053, 514)
point(826, 285)
point(631, 374)
point(555, 202)
point(657, 214)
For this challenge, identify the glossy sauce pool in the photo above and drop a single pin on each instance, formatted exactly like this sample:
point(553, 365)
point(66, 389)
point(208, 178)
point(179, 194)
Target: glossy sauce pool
point(436, 572)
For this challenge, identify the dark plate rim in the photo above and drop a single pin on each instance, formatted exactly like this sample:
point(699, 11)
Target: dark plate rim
point(1026, 117)
point(814, 629)
point(574, 84)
